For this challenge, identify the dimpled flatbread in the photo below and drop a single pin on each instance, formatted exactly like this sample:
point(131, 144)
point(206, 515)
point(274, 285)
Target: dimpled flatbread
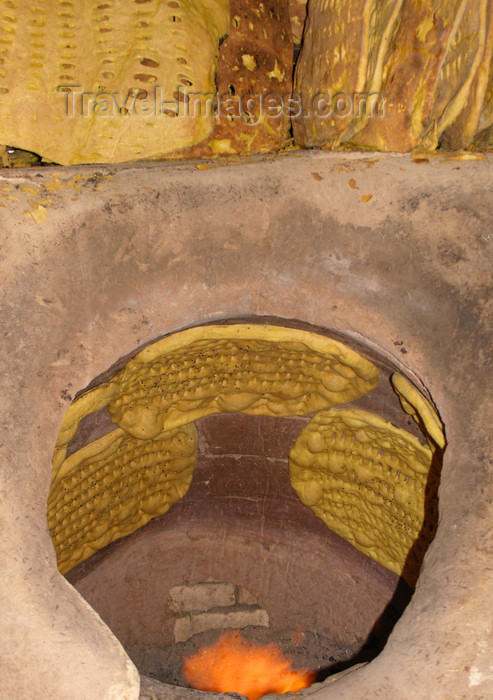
point(254, 83)
point(430, 61)
point(343, 51)
point(98, 83)
point(472, 111)
point(297, 13)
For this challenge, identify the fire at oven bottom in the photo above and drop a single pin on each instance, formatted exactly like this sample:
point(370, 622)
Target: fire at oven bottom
point(234, 664)
point(253, 661)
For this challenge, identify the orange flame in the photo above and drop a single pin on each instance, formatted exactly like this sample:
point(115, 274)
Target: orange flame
point(233, 665)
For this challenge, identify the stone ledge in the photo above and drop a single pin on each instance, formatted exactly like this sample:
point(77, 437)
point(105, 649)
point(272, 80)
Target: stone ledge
point(200, 597)
point(186, 627)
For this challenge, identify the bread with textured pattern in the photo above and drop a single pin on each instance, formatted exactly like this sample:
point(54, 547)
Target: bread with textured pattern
point(97, 83)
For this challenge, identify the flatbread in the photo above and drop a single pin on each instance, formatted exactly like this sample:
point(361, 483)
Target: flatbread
point(132, 57)
point(429, 60)
point(371, 483)
point(343, 51)
point(255, 61)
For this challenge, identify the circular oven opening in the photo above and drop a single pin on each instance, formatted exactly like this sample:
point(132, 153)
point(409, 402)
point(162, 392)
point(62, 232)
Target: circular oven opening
point(247, 476)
